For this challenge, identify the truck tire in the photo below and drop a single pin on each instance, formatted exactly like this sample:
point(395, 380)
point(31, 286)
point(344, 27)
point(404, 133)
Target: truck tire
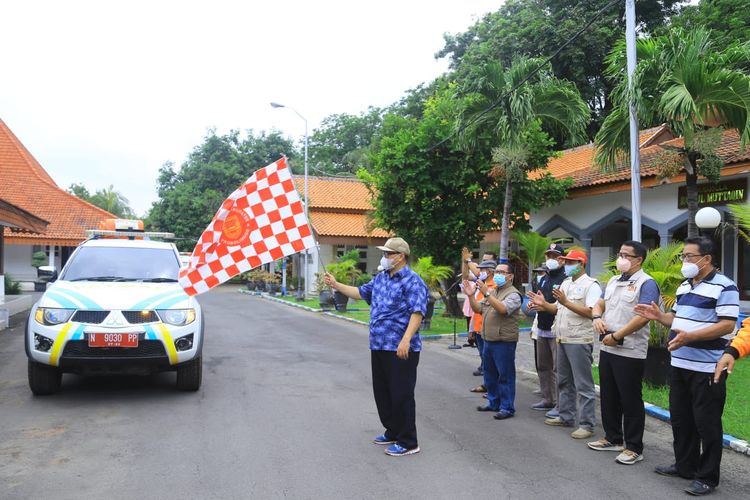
point(190, 374)
point(44, 379)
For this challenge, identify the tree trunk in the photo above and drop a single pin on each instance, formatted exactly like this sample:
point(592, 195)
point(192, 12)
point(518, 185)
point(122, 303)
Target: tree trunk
point(505, 230)
point(691, 184)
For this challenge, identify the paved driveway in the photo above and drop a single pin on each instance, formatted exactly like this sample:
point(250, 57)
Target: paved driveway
point(286, 411)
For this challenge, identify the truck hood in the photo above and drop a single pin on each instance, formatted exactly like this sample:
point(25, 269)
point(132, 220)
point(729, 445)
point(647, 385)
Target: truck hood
point(124, 296)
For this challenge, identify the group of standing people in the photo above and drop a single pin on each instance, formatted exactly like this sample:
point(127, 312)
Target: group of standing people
point(572, 312)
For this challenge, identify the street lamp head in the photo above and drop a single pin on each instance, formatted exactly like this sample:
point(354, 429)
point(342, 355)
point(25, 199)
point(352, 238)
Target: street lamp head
point(277, 105)
point(707, 218)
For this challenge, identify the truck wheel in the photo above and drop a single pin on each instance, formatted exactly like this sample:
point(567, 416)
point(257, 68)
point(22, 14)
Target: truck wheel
point(44, 379)
point(190, 374)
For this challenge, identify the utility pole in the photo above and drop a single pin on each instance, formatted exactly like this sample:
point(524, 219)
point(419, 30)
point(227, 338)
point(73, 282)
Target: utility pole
point(635, 155)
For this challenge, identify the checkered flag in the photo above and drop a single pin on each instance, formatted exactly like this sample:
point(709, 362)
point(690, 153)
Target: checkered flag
point(262, 221)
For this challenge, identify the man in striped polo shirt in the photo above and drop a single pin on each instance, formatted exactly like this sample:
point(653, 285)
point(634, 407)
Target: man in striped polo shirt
point(702, 322)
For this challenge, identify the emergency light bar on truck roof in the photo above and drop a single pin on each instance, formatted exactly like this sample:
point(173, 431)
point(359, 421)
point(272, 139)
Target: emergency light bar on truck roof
point(130, 234)
point(129, 228)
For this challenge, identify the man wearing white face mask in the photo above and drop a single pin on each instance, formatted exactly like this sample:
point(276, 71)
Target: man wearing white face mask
point(702, 320)
point(622, 357)
point(398, 300)
point(546, 347)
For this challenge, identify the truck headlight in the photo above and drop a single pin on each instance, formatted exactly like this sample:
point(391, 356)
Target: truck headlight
point(177, 317)
point(52, 315)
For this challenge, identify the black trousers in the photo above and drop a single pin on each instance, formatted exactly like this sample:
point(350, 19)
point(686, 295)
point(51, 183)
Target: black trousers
point(621, 394)
point(696, 405)
point(393, 382)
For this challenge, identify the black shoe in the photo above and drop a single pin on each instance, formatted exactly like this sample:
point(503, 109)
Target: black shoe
point(478, 373)
point(485, 408)
point(698, 488)
point(502, 415)
point(667, 470)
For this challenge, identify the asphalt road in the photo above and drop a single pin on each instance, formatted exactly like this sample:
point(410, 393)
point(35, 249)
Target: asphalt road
point(286, 411)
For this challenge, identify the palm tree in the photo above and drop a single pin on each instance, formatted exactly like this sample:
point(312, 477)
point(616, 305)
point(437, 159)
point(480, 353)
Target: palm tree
point(513, 121)
point(534, 244)
point(696, 89)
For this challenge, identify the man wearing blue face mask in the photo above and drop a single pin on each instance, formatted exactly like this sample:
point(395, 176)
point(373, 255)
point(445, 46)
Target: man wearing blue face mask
point(398, 300)
point(501, 313)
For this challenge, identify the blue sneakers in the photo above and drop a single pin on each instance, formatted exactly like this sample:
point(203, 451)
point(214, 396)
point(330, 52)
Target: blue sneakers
point(396, 450)
point(553, 413)
point(383, 440)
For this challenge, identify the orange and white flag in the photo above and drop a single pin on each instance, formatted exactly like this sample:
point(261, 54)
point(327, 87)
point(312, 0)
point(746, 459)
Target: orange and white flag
point(262, 221)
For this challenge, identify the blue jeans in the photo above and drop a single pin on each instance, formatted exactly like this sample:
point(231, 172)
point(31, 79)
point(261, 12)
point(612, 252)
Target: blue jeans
point(480, 348)
point(499, 360)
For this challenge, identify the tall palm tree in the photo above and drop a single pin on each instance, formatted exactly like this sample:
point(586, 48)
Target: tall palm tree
point(512, 121)
point(682, 80)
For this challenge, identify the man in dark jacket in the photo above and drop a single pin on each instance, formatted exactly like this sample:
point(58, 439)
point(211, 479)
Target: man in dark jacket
point(546, 348)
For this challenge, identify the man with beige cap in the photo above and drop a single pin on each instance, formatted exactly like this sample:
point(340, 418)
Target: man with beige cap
point(398, 302)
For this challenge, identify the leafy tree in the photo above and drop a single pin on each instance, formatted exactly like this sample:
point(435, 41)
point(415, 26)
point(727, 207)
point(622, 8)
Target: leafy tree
point(340, 144)
point(729, 20)
point(514, 120)
point(189, 196)
point(80, 191)
point(441, 198)
point(537, 28)
point(108, 199)
point(681, 79)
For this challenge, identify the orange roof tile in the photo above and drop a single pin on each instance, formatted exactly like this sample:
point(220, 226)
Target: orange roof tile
point(335, 193)
point(356, 225)
point(582, 157)
point(578, 163)
point(28, 186)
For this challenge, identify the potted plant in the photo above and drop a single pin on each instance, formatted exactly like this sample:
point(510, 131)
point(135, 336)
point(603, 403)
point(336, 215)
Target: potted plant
point(432, 275)
point(273, 282)
point(663, 264)
point(38, 259)
point(325, 295)
point(345, 271)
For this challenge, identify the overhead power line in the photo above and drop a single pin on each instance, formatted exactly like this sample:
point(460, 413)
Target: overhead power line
point(495, 104)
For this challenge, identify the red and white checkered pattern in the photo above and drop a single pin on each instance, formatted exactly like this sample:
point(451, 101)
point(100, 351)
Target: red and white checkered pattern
point(275, 226)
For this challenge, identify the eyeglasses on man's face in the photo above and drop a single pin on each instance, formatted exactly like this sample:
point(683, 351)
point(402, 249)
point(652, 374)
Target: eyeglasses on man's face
point(388, 254)
point(624, 255)
point(690, 257)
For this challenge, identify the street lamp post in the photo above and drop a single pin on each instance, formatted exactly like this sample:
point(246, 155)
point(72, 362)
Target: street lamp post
point(301, 294)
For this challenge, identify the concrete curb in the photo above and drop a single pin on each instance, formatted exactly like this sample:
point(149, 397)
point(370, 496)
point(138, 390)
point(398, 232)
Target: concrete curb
point(736, 444)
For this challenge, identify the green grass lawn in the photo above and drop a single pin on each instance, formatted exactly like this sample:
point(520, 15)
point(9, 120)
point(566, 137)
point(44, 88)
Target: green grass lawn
point(439, 325)
point(736, 418)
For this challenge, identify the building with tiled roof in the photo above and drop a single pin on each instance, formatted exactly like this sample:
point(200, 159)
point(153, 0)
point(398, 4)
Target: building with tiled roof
point(26, 185)
point(340, 212)
point(597, 211)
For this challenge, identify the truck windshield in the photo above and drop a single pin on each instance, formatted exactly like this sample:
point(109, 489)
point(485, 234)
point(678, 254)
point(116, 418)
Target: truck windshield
point(122, 264)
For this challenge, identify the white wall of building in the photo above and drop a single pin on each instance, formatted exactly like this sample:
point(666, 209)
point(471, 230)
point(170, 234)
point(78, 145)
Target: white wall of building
point(18, 262)
point(658, 204)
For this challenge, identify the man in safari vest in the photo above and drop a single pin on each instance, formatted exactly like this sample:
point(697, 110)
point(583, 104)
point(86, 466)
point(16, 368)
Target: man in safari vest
point(572, 327)
point(501, 313)
point(622, 358)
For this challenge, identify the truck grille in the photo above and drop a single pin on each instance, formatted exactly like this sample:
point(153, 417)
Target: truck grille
point(138, 317)
point(90, 317)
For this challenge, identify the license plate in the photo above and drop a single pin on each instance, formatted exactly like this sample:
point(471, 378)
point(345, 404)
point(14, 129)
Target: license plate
point(113, 340)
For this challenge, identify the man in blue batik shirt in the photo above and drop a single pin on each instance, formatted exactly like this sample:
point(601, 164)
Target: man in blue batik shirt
point(398, 302)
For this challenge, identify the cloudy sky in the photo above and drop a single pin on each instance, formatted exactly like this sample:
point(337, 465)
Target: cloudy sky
point(105, 92)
